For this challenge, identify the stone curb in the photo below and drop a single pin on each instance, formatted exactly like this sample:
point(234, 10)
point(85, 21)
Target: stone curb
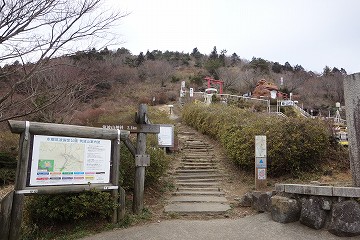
point(319, 190)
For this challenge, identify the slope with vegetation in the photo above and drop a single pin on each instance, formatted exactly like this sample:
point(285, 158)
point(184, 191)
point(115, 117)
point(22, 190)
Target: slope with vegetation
point(105, 86)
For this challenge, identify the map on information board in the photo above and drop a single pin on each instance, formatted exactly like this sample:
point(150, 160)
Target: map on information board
point(68, 160)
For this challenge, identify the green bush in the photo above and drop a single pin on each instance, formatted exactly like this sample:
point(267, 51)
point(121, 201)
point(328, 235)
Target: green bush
point(294, 145)
point(61, 208)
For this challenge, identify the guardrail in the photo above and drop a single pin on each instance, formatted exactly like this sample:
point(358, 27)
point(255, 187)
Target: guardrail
point(302, 111)
point(262, 101)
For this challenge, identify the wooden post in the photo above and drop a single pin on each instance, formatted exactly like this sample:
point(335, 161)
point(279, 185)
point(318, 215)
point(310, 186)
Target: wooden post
point(5, 215)
point(121, 209)
point(115, 174)
point(138, 198)
point(352, 103)
point(20, 183)
point(260, 162)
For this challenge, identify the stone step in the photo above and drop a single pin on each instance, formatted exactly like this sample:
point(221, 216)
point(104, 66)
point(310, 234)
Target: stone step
point(192, 163)
point(202, 167)
point(196, 208)
point(198, 184)
point(196, 193)
point(198, 160)
point(198, 176)
point(179, 189)
point(196, 171)
point(218, 199)
point(187, 133)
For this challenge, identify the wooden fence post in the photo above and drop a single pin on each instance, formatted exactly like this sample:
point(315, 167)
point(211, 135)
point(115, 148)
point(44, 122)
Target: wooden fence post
point(138, 198)
point(20, 183)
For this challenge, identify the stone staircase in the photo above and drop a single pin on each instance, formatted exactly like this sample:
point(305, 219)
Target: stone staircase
point(197, 179)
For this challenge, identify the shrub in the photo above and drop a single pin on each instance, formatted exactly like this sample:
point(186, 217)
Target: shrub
point(294, 145)
point(60, 208)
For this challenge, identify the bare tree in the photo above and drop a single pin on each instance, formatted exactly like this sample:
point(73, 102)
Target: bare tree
point(158, 71)
point(231, 77)
point(32, 32)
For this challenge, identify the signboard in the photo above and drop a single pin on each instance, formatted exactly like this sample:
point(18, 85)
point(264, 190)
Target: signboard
point(286, 103)
point(260, 162)
point(69, 160)
point(191, 92)
point(166, 136)
point(260, 146)
point(261, 174)
point(134, 128)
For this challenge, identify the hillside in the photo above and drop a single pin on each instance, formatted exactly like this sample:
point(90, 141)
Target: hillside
point(69, 88)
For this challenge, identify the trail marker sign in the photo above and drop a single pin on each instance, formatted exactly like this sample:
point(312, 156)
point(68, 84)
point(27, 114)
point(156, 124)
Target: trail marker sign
point(260, 162)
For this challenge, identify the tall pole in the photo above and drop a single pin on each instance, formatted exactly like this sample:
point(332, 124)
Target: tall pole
point(352, 104)
point(138, 198)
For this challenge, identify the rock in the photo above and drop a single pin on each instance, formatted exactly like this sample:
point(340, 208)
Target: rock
point(284, 209)
point(261, 201)
point(326, 204)
point(312, 213)
point(345, 219)
point(246, 200)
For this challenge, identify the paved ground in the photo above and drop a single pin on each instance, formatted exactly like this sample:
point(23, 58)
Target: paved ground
point(257, 227)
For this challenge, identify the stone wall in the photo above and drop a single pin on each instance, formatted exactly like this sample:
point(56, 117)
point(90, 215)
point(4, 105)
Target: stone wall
point(336, 209)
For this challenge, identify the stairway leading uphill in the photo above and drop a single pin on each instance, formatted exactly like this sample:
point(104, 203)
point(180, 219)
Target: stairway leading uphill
point(197, 179)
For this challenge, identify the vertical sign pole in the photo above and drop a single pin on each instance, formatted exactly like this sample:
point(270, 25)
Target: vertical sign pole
point(115, 174)
point(352, 103)
point(20, 184)
point(260, 162)
point(138, 198)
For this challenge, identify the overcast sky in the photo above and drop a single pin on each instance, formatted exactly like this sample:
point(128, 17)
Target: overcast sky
point(312, 33)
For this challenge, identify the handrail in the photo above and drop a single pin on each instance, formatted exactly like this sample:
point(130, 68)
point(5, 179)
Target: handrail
point(302, 111)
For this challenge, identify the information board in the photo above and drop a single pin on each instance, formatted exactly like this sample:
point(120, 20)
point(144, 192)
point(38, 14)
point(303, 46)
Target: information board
point(166, 136)
point(69, 160)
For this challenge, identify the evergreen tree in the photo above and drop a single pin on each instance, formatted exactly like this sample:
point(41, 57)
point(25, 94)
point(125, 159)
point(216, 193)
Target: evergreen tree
point(326, 71)
point(288, 67)
point(149, 55)
point(222, 57)
point(298, 68)
point(140, 59)
point(276, 67)
point(214, 55)
point(234, 59)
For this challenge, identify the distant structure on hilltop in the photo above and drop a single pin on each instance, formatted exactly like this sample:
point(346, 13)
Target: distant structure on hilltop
point(268, 90)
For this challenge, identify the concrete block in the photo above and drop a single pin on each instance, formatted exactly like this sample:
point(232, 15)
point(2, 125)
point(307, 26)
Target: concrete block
point(279, 187)
point(309, 189)
point(346, 192)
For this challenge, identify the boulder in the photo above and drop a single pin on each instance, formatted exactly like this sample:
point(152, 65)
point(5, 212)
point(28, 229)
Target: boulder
point(246, 200)
point(345, 219)
point(284, 209)
point(261, 201)
point(312, 213)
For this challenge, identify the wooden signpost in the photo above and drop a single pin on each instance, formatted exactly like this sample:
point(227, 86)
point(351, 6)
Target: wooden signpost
point(142, 127)
point(41, 171)
point(260, 162)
